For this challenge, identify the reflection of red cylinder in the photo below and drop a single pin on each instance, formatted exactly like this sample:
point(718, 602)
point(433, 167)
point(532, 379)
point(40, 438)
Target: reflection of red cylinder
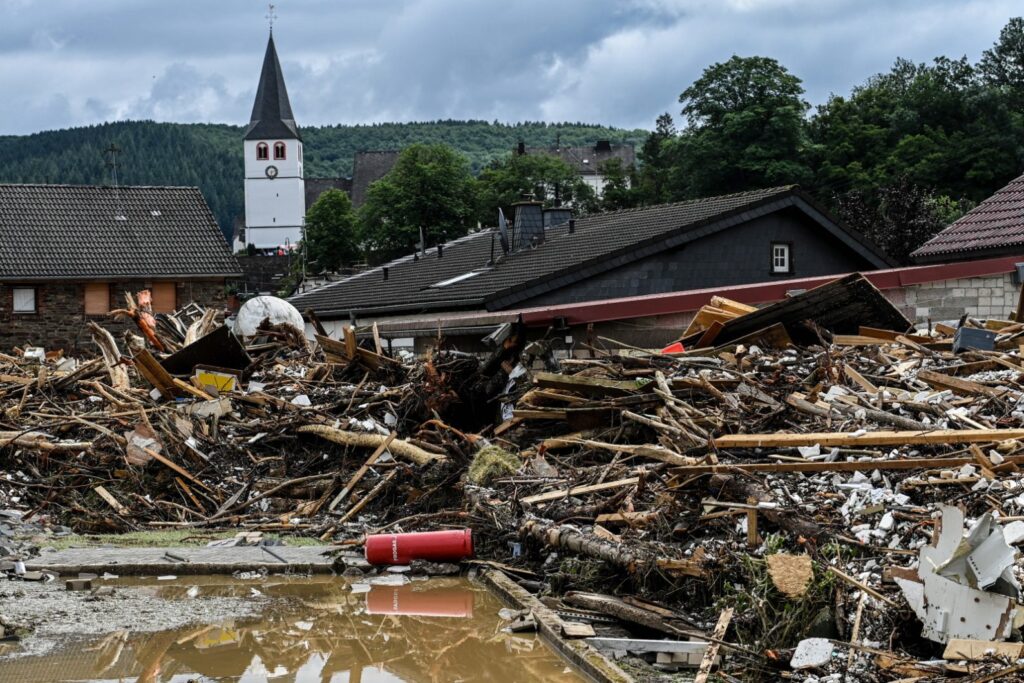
point(437, 546)
point(439, 602)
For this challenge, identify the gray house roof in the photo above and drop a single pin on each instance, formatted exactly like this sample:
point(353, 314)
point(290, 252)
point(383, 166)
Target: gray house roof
point(272, 117)
point(462, 279)
point(82, 232)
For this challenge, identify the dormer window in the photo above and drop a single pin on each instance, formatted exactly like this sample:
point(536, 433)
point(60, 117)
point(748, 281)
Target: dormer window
point(262, 152)
point(279, 150)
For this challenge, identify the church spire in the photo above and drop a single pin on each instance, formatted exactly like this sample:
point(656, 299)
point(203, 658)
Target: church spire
point(272, 116)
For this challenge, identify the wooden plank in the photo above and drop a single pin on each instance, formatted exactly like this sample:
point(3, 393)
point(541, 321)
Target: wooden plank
point(858, 340)
point(842, 466)
point(863, 586)
point(775, 337)
point(731, 306)
point(379, 451)
point(879, 438)
point(976, 650)
point(958, 386)
point(177, 468)
point(891, 335)
point(645, 645)
point(712, 652)
point(579, 490)
point(528, 414)
point(592, 386)
point(573, 629)
point(708, 338)
point(630, 518)
point(350, 342)
point(860, 380)
point(154, 373)
point(840, 306)
point(111, 501)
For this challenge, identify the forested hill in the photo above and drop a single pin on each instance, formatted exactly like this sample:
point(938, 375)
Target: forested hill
point(210, 155)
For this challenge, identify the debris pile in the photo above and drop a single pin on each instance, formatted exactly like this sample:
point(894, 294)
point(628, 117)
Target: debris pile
point(785, 498)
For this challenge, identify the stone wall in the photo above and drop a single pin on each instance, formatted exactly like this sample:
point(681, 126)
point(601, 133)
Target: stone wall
point(60, 320)
point(991, 296)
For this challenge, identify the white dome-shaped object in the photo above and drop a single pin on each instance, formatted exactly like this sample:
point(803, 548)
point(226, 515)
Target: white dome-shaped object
point(254, 311)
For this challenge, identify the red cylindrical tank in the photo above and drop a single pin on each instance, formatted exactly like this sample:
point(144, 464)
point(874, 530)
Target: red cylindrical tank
point(436, 546)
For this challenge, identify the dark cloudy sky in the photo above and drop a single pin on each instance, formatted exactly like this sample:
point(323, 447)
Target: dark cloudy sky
point(621, 62)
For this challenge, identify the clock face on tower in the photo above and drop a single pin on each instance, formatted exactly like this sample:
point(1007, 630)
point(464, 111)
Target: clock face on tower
point(271, 172)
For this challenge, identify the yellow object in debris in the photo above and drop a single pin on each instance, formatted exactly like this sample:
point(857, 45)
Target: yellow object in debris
point(219, 381)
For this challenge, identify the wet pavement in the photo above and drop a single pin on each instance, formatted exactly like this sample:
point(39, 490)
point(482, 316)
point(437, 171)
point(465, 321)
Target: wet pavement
point(312, 630)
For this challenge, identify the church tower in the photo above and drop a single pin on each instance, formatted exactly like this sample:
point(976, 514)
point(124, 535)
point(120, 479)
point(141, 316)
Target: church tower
point(275, 203)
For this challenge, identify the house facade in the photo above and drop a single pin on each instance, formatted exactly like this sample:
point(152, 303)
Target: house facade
point(775, 235)
point(72, 252)
point(991, 232)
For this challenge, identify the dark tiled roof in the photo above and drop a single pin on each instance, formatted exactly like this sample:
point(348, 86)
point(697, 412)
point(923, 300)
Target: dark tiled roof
point(588, 160)
point(562, 258)
point(997, 224)
point(272, 116)
point(73, 232)
point(369, 167)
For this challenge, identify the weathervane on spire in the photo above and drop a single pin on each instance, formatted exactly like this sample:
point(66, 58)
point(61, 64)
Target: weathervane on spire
point(271, 16)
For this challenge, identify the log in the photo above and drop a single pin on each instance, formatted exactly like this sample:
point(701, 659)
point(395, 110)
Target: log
point(879, 438)
point(111, 357)
point(745, 489)
point(573, 540)
point(614, 607)
point(398, 447)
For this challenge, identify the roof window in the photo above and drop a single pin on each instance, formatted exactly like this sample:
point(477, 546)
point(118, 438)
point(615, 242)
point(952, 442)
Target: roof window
point(453, 280)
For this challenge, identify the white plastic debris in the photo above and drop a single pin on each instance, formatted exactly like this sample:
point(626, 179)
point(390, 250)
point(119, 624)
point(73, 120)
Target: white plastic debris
point(1014, 532)
point(267, 308)
point(812, 653)
point(964, 587)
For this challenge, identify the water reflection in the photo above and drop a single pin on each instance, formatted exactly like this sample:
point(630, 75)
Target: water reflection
point(318, 630)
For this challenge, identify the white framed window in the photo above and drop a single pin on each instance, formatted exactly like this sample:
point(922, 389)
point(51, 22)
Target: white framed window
point(24, 300)
point(781, 262)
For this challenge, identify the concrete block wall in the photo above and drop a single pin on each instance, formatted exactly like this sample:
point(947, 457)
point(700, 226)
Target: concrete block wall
point(990, 296)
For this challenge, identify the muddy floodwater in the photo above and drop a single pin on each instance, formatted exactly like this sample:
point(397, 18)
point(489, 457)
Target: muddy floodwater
point(311, 630)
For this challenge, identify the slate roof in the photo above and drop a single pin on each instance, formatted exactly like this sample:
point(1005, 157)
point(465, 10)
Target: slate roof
point(272, 117)
point(72, 232)
point(600, 242)
point(994, 227)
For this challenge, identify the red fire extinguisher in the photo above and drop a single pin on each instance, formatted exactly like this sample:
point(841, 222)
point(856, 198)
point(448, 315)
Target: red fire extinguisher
point(436, 546)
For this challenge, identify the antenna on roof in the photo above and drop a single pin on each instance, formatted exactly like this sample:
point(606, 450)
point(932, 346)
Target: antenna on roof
point(503, 231)
point(112, 152)
point(271, 15)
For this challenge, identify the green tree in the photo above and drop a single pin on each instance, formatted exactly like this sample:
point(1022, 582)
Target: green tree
point(331, 237)
point(544, 177)
point(1002, 65)
point(429, 188)
point(656, 162)
point(746, 128)
point(619, 186)
point(899, 217)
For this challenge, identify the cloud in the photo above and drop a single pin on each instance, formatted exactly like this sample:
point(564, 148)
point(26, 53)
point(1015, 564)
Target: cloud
point(620, 62)
point(184, 93)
